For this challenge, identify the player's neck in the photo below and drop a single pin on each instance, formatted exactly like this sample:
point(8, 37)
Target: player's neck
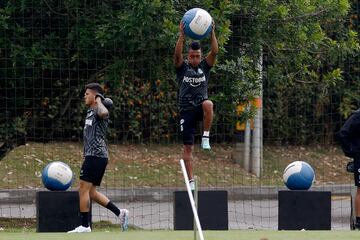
point(194, 67)
point(93, 105)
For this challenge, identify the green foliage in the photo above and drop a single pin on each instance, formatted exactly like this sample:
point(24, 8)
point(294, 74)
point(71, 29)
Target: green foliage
point(240, 84)
point(51, 49)
point(349, 89)
point(55, 48)
point(305, 49)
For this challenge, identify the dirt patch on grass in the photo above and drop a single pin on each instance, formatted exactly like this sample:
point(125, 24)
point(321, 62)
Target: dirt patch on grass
point(17, 223)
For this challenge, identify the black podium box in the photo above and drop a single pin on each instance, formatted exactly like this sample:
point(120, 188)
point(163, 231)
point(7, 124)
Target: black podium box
point(212, 210)
point(57, 211)
point(309, 210)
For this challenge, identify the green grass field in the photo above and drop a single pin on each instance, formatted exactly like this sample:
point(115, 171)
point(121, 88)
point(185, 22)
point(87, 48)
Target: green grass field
point(186, 235)
point(157, 165)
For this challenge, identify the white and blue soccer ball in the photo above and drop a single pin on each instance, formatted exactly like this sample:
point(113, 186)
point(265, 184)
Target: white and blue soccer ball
point(198, 23)
point(298, 175)
point(57, 176)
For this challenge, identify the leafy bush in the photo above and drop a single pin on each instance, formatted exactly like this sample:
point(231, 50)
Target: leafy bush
point(50, 49)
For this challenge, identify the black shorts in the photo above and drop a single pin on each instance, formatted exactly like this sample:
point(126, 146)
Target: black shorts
point(188, 124)
point(93, 169)
point(357, 172)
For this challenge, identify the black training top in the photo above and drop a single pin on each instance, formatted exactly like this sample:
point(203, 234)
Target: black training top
point(193, 84)
point(94, 135)
point(349, 136)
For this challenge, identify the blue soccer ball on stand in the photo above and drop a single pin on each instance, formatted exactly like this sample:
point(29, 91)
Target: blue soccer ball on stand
point(298, 175)
point(198, 23)
point(57, 176)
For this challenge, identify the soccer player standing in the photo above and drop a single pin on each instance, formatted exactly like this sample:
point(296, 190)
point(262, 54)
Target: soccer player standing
point(193, 76)
point(349, 136)
point(95, 159)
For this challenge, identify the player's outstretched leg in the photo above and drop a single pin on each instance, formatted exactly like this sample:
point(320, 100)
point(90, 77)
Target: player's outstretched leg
point(103, 200)
point(207, 106)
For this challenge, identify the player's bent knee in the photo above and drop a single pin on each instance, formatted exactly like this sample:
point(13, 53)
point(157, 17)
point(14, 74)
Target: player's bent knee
point(84, 188)
point(208, 106)
point(92, 194)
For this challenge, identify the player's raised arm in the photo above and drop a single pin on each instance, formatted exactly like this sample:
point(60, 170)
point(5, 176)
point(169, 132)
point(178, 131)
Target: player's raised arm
point(102, 111)
point(178, 55)
point(211, 57)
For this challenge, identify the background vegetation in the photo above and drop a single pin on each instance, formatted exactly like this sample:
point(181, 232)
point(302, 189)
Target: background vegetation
point(50, 49)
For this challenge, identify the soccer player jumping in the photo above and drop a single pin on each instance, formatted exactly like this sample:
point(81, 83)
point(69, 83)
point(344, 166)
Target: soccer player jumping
point(192, 76)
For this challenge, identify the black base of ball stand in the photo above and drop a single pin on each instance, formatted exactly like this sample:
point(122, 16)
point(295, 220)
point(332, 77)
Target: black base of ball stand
point(309, 210)
point(57, 211)
point(212, 210)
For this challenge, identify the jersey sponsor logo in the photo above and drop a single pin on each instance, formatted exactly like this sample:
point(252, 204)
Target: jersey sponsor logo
point(194, 81)
point(88, 122)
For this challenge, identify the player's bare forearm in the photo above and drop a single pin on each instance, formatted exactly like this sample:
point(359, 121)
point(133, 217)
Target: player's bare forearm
point(214, 43)
point(211, 57)
point(178, 55)
point(101, 110)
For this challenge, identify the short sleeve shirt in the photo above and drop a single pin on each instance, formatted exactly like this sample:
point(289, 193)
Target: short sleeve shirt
point(95, 135)
point(193, 83)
